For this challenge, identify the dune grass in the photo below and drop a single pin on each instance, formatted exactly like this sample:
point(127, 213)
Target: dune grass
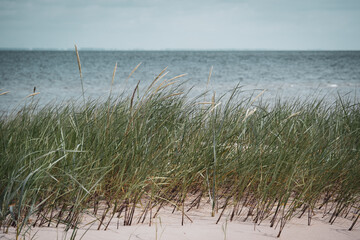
point(160, 148)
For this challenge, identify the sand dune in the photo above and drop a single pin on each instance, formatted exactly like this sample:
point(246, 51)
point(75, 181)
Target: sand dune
point(168, 226)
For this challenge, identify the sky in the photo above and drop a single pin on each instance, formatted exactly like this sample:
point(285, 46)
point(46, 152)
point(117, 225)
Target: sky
point(181, 24)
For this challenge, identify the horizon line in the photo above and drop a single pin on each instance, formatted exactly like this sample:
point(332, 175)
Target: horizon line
point(171, 49)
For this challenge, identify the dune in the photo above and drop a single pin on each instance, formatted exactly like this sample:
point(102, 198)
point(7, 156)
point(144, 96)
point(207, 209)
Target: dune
point(167, 225)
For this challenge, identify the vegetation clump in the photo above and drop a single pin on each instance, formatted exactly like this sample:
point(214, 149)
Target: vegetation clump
point(162, 148)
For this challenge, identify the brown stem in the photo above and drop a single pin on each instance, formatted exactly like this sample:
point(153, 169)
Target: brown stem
point(354, 222)
point(226, 203)
point(60, 214)
point(234, 210)
point(112, 215)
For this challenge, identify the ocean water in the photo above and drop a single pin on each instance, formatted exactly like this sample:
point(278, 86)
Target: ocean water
point(284, 74)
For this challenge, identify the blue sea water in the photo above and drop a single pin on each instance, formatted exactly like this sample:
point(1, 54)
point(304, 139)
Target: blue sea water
point(284, 74)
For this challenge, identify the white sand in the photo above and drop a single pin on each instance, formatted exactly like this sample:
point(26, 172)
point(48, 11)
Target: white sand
point(168, 226)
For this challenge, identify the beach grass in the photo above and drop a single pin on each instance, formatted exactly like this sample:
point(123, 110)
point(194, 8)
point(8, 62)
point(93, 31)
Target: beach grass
point(160, 147)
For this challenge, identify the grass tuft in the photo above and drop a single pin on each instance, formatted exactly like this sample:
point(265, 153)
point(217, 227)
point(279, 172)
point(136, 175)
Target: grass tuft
point(161, 148)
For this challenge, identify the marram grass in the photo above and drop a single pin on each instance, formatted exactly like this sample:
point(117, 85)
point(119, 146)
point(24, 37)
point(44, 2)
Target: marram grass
point(162, 148)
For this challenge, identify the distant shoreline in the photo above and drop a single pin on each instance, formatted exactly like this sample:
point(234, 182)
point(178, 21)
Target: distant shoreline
point(179, 50)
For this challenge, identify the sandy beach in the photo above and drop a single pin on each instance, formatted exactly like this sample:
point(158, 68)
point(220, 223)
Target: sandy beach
point(167, 225)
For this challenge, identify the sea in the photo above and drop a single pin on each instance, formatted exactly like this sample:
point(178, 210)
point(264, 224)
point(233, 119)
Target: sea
point(284, 75)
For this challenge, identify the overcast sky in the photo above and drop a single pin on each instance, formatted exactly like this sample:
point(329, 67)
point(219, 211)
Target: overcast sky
point(181, 24)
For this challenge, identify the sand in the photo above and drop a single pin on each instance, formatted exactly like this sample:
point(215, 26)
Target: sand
point(168, 226)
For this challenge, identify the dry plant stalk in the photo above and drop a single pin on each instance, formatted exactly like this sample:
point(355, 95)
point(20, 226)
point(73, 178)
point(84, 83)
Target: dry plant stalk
point(78, 60)
point(81, 78)
point(33, 94)
point(132, 72)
